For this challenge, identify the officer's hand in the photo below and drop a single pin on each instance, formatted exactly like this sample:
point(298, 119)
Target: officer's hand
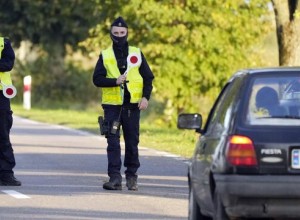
point(143, 104)
point(120, 80)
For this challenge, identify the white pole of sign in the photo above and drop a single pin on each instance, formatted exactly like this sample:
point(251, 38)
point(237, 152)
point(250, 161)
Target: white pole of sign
point(27, 92)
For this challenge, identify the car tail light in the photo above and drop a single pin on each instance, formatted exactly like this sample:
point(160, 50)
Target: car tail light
point(240, 151)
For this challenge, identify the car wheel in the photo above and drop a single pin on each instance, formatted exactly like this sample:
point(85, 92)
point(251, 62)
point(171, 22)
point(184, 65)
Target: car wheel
point(194, 209)
point(220, 213)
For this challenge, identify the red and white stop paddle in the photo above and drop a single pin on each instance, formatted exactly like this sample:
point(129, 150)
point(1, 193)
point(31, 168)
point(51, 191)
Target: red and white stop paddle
point(133, 60)
point(9, 91)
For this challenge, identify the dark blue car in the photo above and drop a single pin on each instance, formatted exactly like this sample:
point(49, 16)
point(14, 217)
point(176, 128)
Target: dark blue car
point(246, 163)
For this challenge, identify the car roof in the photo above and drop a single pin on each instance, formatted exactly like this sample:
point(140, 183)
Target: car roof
point(264, 70)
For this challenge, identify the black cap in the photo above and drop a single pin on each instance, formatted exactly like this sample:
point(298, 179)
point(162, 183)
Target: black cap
point(119, 22)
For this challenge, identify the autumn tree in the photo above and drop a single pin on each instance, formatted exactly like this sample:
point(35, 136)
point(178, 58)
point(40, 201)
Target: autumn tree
point(287, 15)
point(193, 46)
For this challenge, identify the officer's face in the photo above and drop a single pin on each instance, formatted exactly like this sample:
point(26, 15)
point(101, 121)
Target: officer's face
point(118, 31)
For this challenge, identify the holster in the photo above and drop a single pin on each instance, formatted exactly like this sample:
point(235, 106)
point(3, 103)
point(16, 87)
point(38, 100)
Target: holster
point(103, 125)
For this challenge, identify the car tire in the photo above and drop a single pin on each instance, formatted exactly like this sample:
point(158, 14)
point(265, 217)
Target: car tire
point(194, 209)
point(220, 213)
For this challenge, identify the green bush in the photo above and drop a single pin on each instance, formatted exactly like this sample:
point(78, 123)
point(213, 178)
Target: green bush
point(71, 87)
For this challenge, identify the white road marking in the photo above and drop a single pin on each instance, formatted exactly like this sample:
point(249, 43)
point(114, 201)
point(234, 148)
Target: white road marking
point(16, 194)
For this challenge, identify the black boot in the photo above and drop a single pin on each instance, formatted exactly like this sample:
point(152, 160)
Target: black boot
point(8, 179)
point(131, 183)
point(113, 184)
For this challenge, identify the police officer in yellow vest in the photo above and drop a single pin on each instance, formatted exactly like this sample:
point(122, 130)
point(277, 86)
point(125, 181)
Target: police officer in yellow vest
point(7, 159)
point(123, 97)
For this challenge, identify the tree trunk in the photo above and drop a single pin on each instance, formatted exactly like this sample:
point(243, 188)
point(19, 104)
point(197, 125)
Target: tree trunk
point(288, 31)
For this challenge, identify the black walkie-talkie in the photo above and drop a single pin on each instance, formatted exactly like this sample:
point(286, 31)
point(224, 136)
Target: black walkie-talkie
point(115, 127)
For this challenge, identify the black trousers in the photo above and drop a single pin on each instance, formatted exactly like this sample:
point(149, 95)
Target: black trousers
point(130, 124)
point(7, 159)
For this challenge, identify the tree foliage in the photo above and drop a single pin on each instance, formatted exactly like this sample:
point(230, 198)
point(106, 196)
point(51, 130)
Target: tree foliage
point(193, 46)
point(48, 22)
point(50, 26)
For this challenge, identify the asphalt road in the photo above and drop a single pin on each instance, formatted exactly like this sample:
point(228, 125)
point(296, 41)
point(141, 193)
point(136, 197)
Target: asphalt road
point(62, 171)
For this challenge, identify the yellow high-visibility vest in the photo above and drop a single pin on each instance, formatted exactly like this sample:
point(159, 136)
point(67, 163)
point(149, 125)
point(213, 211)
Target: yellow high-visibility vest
point(114, 95)
point(5, 77)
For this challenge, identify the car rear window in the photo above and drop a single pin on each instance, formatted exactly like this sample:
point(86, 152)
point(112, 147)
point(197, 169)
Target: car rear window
point(274, 100)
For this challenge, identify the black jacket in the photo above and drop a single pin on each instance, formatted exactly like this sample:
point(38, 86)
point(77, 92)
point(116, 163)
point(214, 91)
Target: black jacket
point(100, 80)
point(6, 64)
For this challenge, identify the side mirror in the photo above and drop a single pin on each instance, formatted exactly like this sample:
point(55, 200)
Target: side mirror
point(189, 121)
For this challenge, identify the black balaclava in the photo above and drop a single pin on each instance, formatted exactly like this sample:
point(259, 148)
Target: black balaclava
point(119, 41)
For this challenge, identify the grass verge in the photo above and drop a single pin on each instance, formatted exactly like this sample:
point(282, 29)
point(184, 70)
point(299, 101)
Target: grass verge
point(172, 140)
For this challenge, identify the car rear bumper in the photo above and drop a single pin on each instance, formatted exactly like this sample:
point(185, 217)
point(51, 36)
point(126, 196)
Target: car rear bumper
point(260, 196)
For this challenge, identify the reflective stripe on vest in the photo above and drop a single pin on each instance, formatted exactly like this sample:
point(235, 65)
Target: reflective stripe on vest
point(114, 95)
point(4, 76)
